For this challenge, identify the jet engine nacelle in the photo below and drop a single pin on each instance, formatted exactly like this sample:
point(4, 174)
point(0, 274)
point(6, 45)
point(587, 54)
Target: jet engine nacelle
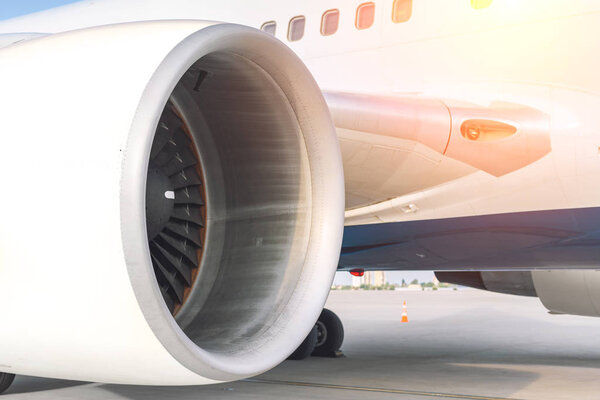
point(172, 203)
point(507, 282)
point(569, 291)
point(561, 291)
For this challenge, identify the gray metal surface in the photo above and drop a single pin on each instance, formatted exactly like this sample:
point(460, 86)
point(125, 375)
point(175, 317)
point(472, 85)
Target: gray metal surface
point(258, 202)
point(508, 282)
point(463, 345)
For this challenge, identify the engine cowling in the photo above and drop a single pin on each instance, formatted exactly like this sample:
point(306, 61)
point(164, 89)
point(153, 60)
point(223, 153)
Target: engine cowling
point(562, 291)
point(569, 291)
point(173, 203)
point(508, 282)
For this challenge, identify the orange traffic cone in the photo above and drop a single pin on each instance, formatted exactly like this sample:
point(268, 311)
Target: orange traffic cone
point(404, 314)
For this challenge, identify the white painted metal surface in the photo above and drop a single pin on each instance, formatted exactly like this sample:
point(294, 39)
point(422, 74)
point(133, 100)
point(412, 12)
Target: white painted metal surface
point(515, 52)
point(79, 114)
point(569, 291)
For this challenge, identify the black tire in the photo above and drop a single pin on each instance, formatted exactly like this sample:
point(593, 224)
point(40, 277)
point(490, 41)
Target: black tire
point(5, 381)
point(306, 347)
point(330, 334)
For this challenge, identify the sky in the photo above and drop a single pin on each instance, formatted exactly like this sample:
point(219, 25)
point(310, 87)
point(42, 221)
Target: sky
point(14, 8)
point(344, 278)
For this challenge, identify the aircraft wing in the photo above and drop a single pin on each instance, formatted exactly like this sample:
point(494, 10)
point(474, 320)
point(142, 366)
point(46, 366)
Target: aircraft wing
point(471, 191)
point(399, 151)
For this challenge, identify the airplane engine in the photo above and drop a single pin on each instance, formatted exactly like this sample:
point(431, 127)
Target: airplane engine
point(172, 206)
point(569, 291)
point(507, 282)
point(565, 291)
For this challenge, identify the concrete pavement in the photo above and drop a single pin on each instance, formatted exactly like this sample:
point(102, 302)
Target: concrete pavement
point(463, 344)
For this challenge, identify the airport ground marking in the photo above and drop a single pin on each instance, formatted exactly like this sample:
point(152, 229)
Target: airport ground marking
point(379, 390)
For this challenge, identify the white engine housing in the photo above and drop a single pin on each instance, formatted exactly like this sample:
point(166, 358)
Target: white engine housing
point(569, 291)
point(80, 298)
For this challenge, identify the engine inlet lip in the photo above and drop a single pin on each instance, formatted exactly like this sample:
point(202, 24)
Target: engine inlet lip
point(262, 50)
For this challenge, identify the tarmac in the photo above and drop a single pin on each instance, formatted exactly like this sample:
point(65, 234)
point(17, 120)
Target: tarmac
point(464, 344)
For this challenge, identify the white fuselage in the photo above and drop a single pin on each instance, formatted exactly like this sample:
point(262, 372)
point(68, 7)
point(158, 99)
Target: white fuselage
point(536, 53)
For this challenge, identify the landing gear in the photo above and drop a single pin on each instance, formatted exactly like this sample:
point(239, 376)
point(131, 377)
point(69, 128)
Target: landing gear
point(330, 335)
point(324, 340)
point(5, 381)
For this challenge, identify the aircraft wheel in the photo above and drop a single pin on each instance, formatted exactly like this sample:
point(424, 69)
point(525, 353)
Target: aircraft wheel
point(330, 334)
point(306, 347)
point(5, 381)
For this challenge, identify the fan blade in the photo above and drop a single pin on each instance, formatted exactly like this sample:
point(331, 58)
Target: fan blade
point(185, 230)
point(186, 177)
point(177, 247)
point(176, 142)
point(182, 159)
point(168, 298)
point(169, 124)
point(190, 213)
point(170, 275)
point(189, 195)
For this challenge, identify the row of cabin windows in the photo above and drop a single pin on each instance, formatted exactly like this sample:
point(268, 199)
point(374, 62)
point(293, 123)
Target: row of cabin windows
point(365, 17)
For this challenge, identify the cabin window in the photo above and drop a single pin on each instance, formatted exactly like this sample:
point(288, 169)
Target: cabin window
point(401, 11)
point(365, 15)
point(270, 27)
point(330, 22)
point(296, 28)
point(478, 4)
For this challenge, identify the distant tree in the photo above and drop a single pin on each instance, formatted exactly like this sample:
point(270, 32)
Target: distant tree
point(414, 282)
point(403, 283)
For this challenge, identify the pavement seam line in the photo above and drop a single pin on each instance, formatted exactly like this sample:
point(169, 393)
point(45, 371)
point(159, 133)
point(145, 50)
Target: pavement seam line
point(379, 390)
